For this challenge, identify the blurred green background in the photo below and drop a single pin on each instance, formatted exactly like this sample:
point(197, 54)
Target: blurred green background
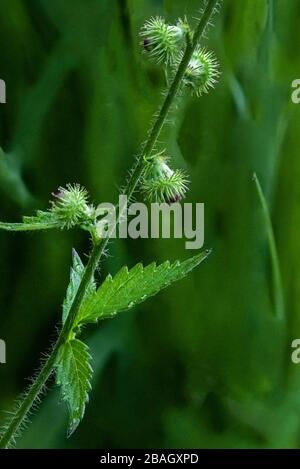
point(204, 364)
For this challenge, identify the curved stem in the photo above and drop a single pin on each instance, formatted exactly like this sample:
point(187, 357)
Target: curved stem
point(99, 247)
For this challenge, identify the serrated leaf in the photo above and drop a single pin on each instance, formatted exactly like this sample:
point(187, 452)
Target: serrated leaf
point(77, 271)
point(129, 288)
point(73, 374)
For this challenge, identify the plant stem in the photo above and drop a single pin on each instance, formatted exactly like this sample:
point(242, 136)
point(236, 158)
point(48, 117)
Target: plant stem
point(23, 409)
point(17, 419)
point(36, 388)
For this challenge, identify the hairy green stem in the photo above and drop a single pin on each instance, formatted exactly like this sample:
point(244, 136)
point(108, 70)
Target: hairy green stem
point(36, 388)
point(12, 430)
point(17, 419)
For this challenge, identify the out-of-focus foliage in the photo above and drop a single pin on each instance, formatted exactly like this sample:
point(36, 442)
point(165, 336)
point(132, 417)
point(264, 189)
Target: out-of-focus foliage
point(205, 364)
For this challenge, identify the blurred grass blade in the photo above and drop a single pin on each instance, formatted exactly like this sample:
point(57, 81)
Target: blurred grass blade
point(11, 182)
point(276, 273)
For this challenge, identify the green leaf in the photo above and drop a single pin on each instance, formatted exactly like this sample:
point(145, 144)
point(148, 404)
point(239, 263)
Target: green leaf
point(129, 288)
point(77, 271)
point(73, 374)
point(42, 221)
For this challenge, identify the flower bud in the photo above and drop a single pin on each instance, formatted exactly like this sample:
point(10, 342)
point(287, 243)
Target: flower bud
point(162, 184)
point(71, 205)
point(202, 71)
point(162, 41)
